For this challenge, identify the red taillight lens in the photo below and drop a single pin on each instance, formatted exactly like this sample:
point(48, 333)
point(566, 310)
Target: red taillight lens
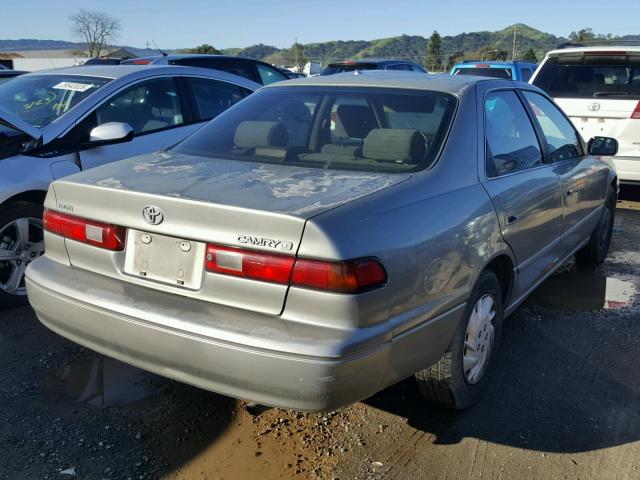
point(636, 113)
point(345, 277)
point(342, 277)
point(139, 62)
point(103, 235)
point(267, 267)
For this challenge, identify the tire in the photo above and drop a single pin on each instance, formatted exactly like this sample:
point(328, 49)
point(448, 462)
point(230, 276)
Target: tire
point(447, 383)
point(594, 252)
point(16, 251)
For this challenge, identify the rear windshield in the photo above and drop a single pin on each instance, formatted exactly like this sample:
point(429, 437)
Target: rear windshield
point(370, 129)
point(485, 72)
point(347, 67)
point(40, 99)
point(590, 76)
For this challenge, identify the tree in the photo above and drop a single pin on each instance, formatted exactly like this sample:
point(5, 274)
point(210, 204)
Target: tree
point(96, 29)
point(530, 56)
point(582, 35)
point(204, 48)
point(434, 52)
point(296, 55)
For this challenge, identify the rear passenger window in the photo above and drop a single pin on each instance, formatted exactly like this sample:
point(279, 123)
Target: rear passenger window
point(400, 66)
point(560, 135)
point(147, 107)
point(269, 75)
point(512, 145)
point(214, 97)
point(236, 67)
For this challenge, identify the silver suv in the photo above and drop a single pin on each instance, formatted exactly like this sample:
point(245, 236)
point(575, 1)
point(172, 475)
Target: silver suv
point(599, 89)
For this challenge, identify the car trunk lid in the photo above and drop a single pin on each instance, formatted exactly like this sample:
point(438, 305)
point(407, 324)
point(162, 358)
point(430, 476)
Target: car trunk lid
point(205, 201)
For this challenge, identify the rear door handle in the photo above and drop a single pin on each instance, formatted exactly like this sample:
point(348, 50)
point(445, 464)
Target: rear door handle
point(570, 192)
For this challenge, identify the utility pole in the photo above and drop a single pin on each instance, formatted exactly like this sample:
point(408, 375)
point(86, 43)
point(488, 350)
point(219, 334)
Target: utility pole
point(148, 48)
point(515, 43)
point(295, 52)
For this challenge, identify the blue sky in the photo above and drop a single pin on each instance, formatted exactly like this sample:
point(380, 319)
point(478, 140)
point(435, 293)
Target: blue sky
point(239, 23)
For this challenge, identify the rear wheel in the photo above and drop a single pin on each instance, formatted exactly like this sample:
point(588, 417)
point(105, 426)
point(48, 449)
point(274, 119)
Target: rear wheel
point(21, 242)
point(594, 252)
point(459, 377)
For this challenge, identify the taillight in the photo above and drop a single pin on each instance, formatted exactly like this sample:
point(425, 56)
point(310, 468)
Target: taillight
point(98, 234)
point(636, 113)
point(353, 276)
point(267, 267)
point(345, 277)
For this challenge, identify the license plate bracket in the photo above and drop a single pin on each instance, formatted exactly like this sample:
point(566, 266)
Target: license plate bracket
point(161, 258)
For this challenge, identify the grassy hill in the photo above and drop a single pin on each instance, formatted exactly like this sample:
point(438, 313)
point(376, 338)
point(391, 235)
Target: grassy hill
point(413, 47)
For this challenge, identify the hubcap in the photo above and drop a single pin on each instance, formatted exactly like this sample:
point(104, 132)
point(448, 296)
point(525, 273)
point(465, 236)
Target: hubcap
point(478, 340)
point(21, 242)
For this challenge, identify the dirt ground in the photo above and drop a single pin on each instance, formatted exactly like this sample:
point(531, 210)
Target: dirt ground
point(564, 403)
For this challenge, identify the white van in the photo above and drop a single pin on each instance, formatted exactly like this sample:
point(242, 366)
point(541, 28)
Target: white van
point(599, 89)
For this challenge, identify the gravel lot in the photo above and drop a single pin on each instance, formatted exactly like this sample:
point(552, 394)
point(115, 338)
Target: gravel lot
point(564, 404)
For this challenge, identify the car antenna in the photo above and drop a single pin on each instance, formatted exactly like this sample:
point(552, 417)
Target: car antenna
point(164, 54)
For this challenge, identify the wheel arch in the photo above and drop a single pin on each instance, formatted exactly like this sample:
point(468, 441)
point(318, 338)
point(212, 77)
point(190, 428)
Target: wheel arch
point(503, 267)
point(31, 196)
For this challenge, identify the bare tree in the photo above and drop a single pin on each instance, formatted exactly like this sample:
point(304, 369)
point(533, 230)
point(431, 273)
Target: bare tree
point(96, 29)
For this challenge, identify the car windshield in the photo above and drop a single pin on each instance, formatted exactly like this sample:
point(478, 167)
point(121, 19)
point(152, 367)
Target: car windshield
point(591, 76)
point(485, 72)
point(347, 67)
point(363, 129)
point(40, 99)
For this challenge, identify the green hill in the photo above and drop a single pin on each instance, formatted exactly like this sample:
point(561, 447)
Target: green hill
point(412, 47)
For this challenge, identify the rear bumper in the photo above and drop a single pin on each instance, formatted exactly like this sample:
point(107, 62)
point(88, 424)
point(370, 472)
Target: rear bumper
point(628, 169)
point(130, 323)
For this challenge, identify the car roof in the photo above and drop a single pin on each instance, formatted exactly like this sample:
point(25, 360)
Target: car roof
point(473, 63)
point(391, 79)
point(115, 72)
point(372, 60)
point(604, 48)
point(103, 71)
point(175, 56)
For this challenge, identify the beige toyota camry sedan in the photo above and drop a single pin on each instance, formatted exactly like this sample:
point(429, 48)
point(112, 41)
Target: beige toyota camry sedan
point(328, 237)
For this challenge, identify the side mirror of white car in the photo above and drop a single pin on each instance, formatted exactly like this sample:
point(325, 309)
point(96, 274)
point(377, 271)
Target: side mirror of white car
point(112, 132)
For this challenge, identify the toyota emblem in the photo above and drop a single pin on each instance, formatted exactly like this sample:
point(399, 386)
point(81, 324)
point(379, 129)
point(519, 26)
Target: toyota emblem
point(594, 107)
point(153, 215)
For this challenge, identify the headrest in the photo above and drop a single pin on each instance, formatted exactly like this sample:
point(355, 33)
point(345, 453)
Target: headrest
point(406, 145)
point(254, 134)
point(356, 120)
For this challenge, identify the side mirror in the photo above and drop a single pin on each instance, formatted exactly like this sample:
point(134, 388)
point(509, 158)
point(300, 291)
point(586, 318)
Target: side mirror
point(112, 132)
point(603, 146)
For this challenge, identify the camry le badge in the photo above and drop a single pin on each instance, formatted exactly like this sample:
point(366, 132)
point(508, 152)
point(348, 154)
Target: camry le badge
point(153, 215)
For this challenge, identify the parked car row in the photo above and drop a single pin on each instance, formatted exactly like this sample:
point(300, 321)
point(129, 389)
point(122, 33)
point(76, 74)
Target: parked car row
point(316, 242)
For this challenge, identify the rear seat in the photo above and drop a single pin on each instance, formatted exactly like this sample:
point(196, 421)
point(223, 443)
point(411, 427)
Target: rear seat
point(406, 146)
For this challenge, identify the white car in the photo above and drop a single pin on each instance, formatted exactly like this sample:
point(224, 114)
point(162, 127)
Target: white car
point(599, 89)
point(59, 122)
